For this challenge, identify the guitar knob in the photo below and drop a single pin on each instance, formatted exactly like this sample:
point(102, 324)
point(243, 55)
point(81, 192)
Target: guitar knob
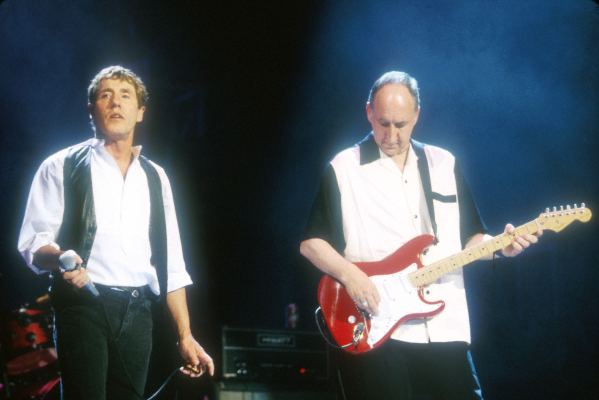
point(351, 319)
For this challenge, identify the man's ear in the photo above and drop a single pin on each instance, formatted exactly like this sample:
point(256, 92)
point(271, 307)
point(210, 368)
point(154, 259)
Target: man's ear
point(140, 113)
point(90, 110)
point(369, 112)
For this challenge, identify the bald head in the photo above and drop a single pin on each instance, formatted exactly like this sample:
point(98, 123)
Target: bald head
point(396, 78)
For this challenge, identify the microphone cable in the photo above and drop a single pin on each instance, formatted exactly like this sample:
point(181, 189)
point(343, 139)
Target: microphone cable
point(161, 388)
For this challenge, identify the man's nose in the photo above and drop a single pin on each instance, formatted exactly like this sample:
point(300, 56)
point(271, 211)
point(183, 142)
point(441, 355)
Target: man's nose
point(115, 102)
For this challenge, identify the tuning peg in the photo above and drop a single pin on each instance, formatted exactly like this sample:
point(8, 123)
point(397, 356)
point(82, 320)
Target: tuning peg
point(575, 205)
point(561, 208)
point(547, 209)
point(568, 207)
point(554, 208)
point(582, 205)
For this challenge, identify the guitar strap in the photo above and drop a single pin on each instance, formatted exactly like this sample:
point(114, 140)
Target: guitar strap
point(425, 177)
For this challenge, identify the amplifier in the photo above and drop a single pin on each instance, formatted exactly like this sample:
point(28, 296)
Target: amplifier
point(282, 357)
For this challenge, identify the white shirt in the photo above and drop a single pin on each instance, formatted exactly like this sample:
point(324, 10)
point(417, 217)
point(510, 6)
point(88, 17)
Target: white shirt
point(120, 255)
point(383, 208)
point(372, 228)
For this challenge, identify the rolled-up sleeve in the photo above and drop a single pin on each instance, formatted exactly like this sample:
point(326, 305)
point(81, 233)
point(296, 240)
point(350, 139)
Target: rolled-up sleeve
point(44, 210)
point(178, 276)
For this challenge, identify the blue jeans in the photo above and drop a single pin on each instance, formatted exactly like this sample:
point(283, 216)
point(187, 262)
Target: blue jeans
point(104, 344)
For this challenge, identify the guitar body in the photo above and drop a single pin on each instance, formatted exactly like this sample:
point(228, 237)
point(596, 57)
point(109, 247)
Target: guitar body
point(355, 330)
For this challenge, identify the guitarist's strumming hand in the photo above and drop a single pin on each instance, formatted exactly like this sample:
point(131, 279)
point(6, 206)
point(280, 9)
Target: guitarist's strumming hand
point(361, 289)
point(356, 283)
point(519, 243)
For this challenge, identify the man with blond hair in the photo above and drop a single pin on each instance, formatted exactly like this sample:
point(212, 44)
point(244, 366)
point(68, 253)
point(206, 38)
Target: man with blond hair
point(100, 218)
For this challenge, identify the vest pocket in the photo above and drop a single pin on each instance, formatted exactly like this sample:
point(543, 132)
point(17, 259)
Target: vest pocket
point(450, 198)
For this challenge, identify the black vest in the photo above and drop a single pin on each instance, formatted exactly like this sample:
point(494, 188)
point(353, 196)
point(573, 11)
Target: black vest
point(78, 228)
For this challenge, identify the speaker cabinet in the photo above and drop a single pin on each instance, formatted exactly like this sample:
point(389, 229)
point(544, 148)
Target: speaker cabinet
point(261, 364)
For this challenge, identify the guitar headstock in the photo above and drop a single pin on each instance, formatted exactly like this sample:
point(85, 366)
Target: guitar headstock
point(557, 219)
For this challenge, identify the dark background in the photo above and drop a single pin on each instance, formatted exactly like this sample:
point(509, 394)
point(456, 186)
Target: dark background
point(248, 103)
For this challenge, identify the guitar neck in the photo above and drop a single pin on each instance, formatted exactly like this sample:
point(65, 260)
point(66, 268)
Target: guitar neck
point(430, 273)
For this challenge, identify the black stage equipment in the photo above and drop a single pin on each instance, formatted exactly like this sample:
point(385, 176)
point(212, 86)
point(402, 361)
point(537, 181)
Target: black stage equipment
point(262, 364)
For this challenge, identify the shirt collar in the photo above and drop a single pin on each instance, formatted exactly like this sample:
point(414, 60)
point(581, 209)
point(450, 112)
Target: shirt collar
point(370, 152)
point(98, 145)
point(412, 159)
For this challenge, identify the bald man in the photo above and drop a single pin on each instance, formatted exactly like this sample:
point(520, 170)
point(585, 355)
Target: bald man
point(374, 197)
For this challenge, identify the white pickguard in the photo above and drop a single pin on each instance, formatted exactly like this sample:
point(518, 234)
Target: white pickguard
point(398, 299)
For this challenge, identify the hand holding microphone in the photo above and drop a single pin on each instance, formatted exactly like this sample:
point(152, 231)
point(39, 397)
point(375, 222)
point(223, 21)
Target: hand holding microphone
point(70, 266)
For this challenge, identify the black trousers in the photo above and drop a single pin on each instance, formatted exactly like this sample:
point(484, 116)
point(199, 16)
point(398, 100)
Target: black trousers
point(409, 371)
point(104, 344)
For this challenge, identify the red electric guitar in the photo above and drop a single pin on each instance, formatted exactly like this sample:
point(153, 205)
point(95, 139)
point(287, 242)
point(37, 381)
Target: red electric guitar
point(401, 277)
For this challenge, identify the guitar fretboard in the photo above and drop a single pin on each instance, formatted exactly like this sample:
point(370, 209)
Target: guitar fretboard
point(430, 273)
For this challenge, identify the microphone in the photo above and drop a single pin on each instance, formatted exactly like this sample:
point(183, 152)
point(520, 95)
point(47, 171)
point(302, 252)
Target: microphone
point(68, 262)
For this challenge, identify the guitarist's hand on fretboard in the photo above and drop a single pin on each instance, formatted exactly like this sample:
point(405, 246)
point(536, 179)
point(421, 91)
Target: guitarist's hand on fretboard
point(520, 242)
